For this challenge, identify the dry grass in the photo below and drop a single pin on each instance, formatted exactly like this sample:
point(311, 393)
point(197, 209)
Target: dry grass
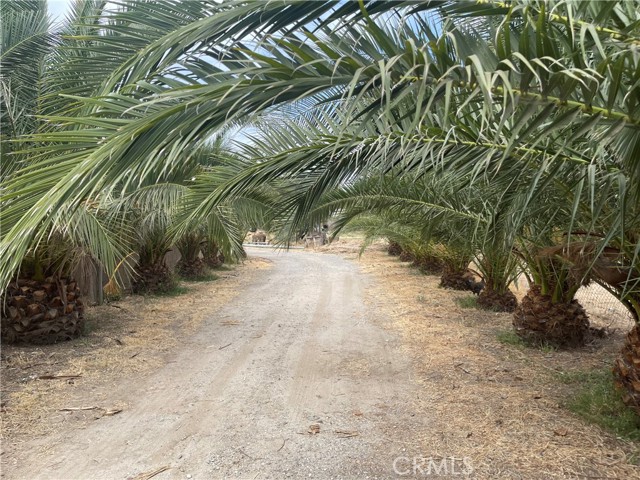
point(124, 340)
point(498, 403)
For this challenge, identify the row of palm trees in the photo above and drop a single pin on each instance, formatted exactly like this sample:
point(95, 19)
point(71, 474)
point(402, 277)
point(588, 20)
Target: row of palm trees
point(507, 134)
point(127, 229)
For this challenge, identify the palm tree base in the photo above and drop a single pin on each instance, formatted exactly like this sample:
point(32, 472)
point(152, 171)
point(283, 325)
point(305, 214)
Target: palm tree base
point(497, 301)
point(429, 265)
point(153, 279)
point(394, 249)
point(214, 261)
point(191, 269)
point(406, 256)
point(627, 369)
point(539, 321)
point(455, 279)
point(42, 312)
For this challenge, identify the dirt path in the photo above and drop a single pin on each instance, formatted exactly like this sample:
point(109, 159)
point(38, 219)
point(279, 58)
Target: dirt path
point(298, 348)
point(320, 367)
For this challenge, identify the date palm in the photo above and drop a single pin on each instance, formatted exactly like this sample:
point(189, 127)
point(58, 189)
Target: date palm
point(493, 88)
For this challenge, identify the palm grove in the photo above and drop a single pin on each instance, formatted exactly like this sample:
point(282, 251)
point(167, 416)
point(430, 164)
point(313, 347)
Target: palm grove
point(506, 135)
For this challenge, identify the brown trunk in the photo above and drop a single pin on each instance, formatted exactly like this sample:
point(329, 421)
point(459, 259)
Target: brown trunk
point(541, 322)
point(429, 265)
point(406, 256)
point(627, 369)
point(498, 302)
point(42, 312)
point(456, 279)
point(152, 279)
point(212, 261)
point(192, 269)
point(394, 249)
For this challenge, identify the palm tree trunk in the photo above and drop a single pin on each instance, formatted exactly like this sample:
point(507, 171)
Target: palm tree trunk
point(455, 278)
point(491, 299)
point(213, 256)
point(627, 367)
point(428, 264)
point(191, 268)
point(42, 312)
point(541, 321)
point(394, 249)
point(151, 279)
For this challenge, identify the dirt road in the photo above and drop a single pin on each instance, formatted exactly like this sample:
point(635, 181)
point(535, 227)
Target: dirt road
point(298, 351)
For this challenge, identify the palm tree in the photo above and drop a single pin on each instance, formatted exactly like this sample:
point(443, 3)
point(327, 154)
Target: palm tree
point(549, 314)
point(43, 303)
point(157, 208)
point(356, 77)
point(26, 40)
point(32, 52)
point(478, 89)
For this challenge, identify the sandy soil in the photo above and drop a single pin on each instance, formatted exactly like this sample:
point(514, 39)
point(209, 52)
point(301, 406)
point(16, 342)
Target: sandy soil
point(326, 367)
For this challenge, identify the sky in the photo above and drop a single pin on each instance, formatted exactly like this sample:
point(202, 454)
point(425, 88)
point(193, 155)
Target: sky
point(59, 8)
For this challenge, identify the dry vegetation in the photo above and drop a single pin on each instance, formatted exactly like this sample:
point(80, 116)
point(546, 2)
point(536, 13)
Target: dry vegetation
point(124, 340)
point(492, 399)
point(496, 401)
